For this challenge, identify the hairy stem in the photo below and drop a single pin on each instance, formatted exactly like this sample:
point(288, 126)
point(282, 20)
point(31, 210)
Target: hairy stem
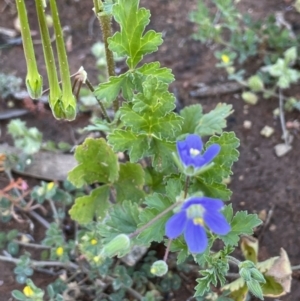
point(138, 231)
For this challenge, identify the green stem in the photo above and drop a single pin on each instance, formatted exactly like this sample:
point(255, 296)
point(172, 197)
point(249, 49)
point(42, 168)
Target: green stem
point(187, 181)
point(35, 263)
point(138, 231)
point(105, 23)
point(34, 80)
point(233, 260)
point(103, 110)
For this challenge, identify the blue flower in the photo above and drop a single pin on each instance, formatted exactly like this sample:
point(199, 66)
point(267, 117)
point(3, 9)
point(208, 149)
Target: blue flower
point(189, 151)
point(194, 214)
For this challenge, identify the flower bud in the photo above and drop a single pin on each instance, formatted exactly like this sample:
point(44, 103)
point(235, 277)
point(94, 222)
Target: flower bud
point(257, 275)
point(255, 288)
point(250, 98)
point(245, 274)
point(255, 83)
point(159, 268)
point(247, 264)
point(119, 244)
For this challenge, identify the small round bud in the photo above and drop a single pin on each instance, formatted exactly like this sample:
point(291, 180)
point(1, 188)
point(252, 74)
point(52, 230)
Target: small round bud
point(159, 268)
point(28, 292)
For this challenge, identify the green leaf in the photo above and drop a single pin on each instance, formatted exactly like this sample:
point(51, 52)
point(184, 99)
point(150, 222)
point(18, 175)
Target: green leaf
point(18, 295)
point(130, 183)
point(156, 204)
point(154, 98)
point(110, 90)
point(174, 188)
point(214, 121)
point(224, 160)
point(86, 207)
point(191, 116)
point(213, 190)
point(203, 285)
point(179, 245)
point(153, 69)
point(121, 219)
point(151, 124)
point(97, 163)
point(161, 152)
point(241, 224)
point(136, 144)
point(130, 41)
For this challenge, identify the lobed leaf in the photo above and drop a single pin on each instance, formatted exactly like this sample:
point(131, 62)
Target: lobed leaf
point(241, 224)
point(213, 122)
point(130, 183)
point(97, 163)
point(86, 207)
point(131, 41)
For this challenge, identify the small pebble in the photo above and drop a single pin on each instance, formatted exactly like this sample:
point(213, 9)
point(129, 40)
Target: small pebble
point(241, 178)
point(247, 124)
point(262, 214)
point(282, 149)
point(272, 227)
point(267, 131)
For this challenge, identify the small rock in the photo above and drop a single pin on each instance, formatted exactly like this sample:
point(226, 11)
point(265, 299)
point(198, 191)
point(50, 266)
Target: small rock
point(241, 178)
point(267, 131)
point(262, 214)
point(272, 228)
point(247, 124)
point(282, 149)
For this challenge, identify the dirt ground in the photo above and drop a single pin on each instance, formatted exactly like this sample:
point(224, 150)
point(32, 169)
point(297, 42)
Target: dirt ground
point(261, 181)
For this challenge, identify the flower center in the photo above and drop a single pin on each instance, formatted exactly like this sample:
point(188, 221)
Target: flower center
point(194, 152)
point(198, 221)
point(195, 212)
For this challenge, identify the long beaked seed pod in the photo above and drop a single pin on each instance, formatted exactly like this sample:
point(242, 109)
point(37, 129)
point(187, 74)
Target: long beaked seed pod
point(55, 93)
point(68, 100)
point(34, 81)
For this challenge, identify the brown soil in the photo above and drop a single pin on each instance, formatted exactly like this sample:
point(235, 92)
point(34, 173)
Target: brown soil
point(261, 180)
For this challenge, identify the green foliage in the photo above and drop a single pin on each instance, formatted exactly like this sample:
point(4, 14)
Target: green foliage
point(155, 205)
point(29, 140)
point(9, 84)
point(271, 45)
point(103, 168)
point(211, 181)
point(130, 41)
point(213, 122)
point(88, 206)
point(241, 224)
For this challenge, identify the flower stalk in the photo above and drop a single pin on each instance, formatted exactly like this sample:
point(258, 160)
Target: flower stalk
point(34, 81)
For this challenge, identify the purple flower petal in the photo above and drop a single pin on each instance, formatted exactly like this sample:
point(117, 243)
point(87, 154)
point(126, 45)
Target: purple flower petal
point(208, 203)
point(216, 222)
point(195, 237)
point(211, 153)
point(194, 141)
point(184, 151)
point(176, 224)
point(211, 204)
